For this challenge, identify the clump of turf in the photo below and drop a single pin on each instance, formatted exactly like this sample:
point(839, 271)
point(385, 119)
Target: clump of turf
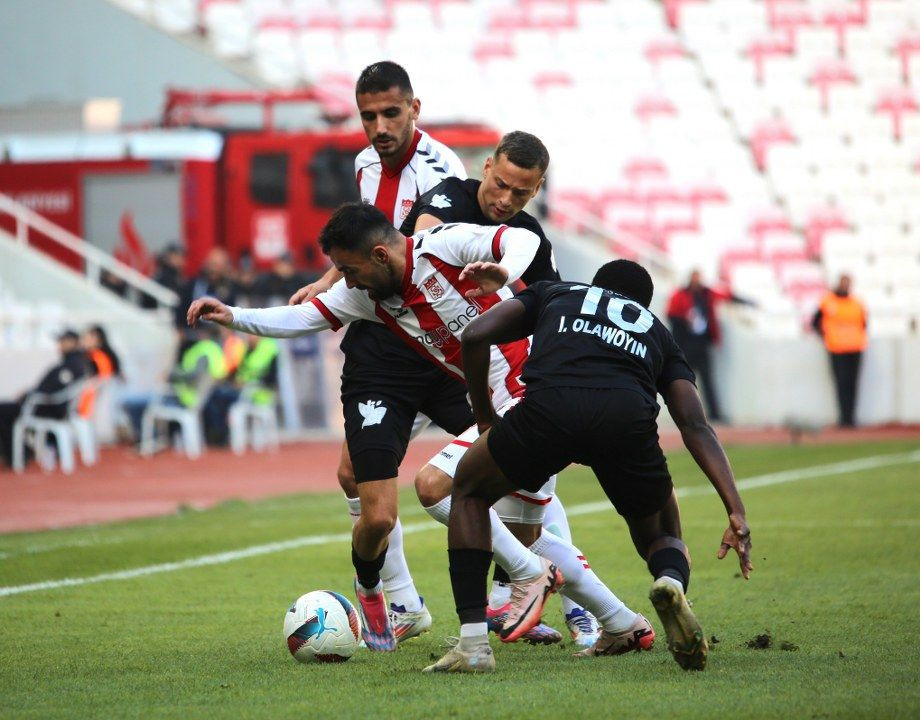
point(761, 642)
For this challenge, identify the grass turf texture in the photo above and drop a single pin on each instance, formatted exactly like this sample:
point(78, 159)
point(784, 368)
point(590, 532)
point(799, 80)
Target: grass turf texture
point(835, 577)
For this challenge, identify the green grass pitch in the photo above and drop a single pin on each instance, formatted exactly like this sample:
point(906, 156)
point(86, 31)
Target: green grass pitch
point(835, 584)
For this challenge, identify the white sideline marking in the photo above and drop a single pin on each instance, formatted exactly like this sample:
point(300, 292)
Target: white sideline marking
point(778, 478)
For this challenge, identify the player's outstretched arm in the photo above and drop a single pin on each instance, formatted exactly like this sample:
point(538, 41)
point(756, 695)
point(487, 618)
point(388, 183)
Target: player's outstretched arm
point(308, 292)
point(208, 308)
point(500, 324)
point(685, 407)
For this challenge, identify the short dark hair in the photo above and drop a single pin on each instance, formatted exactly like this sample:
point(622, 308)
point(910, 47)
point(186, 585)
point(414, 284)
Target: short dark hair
point(382, 76)
point(524, 150)
point(627, 278)
point(356, 226)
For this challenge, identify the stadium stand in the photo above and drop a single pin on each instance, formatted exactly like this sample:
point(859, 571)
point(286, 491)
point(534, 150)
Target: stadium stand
point(724, 128)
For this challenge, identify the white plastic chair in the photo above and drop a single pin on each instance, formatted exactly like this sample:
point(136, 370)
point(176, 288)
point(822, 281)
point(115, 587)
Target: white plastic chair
point(38, 430)
point(252, 424)
point(187, 418)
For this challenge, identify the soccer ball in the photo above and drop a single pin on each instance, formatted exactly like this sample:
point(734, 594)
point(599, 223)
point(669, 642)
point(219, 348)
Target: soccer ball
point(322, 626)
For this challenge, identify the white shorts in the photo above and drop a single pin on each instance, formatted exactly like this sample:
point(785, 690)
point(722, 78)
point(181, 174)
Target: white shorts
point(519, 507)
point(421, 422)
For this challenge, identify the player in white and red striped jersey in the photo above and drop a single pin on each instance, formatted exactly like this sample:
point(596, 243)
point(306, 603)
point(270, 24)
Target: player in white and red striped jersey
point(426, 289)
point(400, 164)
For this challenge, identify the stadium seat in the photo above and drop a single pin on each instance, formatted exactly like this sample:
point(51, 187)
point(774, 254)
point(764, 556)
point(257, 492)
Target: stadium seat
point(67, 433)
point(252, 424)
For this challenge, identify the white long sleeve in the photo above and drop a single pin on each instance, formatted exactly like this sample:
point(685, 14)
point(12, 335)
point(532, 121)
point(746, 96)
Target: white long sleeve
point(285, 321)
point(519, 248)
point(334, 308)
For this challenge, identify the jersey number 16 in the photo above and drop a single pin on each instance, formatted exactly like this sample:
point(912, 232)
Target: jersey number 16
point(615, 307)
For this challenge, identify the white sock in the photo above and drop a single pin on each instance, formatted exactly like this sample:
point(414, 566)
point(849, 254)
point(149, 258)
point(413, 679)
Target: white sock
point(673, 581)
point(473, 635)
point(397, 580)
point(369, 592)
point(557, 522)
point(518, 561)
point(583, 585)
point(500, 595)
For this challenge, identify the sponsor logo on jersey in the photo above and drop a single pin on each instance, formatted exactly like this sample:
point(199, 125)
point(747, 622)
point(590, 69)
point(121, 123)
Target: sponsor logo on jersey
point(443, 333)
point(434, 288)
point(406, 208)
point(372, 411)
point(440, 201)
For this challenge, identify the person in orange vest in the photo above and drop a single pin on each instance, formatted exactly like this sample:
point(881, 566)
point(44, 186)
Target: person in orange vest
point(103, 363)
point(841, 321)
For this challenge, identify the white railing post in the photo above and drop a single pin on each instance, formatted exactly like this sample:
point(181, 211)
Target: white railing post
point(94, 259)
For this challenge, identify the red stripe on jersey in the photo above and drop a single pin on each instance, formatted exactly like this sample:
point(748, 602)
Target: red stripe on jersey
point(532, 501)
point(413, 343)
point(387, 191)
point(432, 324)
point(515, 353)
point(461, 443)
point(496, 243)
point(326, 313)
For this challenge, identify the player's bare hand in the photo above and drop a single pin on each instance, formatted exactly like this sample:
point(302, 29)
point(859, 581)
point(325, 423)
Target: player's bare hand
point(489, 276)
point(308, 292)
point(208, 308)
point(738, 536)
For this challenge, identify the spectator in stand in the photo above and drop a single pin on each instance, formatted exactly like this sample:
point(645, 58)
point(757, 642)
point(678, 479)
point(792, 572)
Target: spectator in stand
point(113, 283)
point(71, 369)
point(247, 281)
point(692, 314)
point(169, 272)
point(103, 359)
point(282, 281)
point(102, 362)
point(258, 368)
point(214, 279)
point(841, 321)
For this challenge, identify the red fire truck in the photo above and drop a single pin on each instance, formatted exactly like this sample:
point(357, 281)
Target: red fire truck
point(264, 191)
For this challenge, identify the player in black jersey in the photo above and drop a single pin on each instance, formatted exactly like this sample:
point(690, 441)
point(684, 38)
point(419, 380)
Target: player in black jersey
point(598, 359)
point(512, 177)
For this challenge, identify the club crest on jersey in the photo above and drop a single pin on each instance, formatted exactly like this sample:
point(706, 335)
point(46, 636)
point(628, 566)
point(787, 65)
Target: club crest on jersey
point(406, 208)
point(434, 288)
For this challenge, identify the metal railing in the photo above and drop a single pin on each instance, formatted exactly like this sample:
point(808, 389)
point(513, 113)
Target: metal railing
point(94, 259)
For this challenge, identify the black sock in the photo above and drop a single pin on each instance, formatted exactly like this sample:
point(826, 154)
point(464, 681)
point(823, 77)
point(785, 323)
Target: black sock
point(670, 562)
point(469, 570)
point(500, 575)
point(368, 571)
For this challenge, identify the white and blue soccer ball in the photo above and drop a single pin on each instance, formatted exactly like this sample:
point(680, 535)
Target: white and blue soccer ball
point(322, 626)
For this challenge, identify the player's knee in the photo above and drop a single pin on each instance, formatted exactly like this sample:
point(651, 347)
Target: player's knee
point(432, 485)
point(378, 521)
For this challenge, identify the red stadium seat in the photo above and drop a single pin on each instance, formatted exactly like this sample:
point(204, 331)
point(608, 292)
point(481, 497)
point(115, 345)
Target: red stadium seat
point(843, 17)
point(829, 73)
point(761, 49)
point(769, 133)
point(896, 102)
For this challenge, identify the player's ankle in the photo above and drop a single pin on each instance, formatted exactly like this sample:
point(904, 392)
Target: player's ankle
point(473, 635)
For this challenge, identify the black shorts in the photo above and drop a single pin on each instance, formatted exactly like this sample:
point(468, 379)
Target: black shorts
point(382, 394)
point(612, 431)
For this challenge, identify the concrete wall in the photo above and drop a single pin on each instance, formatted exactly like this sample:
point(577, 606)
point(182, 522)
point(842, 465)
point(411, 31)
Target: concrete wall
point(72, 50)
